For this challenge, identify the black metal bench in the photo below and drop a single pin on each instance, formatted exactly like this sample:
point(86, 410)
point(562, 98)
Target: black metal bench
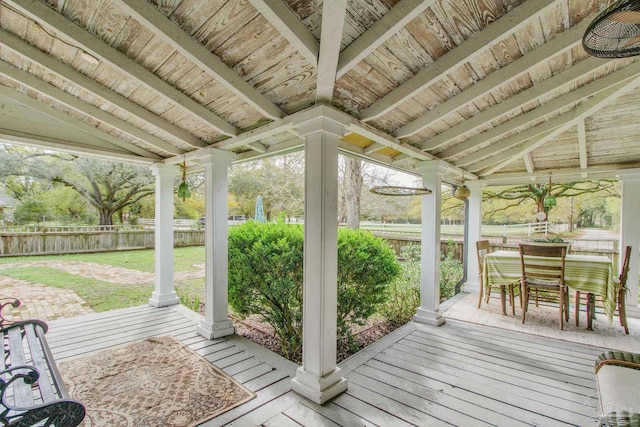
point(32, 392)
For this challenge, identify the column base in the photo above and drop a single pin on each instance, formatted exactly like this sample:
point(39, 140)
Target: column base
point(319, 390)
point(434, 318)
point(471, 287)
point(164, 300)
point(216, 330)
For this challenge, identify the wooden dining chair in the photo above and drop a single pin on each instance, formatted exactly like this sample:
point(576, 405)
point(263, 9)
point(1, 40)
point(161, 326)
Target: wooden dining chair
point(621, 290)
point(543, 270)
point(482, 249)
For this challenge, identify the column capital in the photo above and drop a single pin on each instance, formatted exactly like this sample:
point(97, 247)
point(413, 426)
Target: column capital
point(323, 118)
point(628, 175)
point(214, 156)
point(476, 184)
point(164, 169)
point(432, 166)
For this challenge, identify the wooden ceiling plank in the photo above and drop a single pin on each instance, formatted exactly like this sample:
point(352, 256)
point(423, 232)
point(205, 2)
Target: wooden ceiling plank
point(582, 143)
point(174, 36)
point(383, 29)
point(333, 20)
point(29, 80)
point(563, 41)
point(590, 107)
point(64, 118)
point(514, 103)
point(290, 27)
point(44, 15)
point(455, 58)
point(559, 103)
point(66, 72)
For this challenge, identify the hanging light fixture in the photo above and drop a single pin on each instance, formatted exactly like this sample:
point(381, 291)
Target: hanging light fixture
point(183, 189)
point(549, 201)
point(393, 190)
point(462, 192)
point(615, 33)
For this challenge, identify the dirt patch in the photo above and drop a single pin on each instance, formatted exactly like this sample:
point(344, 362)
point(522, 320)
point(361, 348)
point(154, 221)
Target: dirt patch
point(253, 329)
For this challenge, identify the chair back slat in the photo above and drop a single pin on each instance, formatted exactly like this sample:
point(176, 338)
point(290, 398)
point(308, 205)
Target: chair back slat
point(543, 262)
point(624, 272)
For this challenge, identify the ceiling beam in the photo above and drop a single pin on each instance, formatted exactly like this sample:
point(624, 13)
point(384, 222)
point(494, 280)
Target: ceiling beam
point(588, 108)
point(66, 72)
point(562, 42)
point(292, 145)
point(333, 17)
point(559, 175)
point(148, 15)
point(528, 163)
point(93, 133)
point(256, 146)
point(383, 29)
point(560, 103)
point(57, 23)
point(373, 148)
point(29, 80)
point(455, 58)
point(290, 27)
point(582, 144)
point(255, 135)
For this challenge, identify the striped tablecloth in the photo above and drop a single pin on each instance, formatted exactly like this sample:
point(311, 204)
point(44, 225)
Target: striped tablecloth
point(584, 273)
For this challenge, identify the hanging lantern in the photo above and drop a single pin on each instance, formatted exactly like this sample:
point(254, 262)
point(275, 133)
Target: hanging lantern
point(549, 201)
point(183, 189)
point(462, 192)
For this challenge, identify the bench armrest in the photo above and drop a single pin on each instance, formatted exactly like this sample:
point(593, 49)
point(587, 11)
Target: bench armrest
point(13, 302)
point(618, 358)
point(19, 323)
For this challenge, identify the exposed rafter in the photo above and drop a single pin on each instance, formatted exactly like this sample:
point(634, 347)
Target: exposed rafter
point(174, 36)
point(455, 58)
point(29, 80)
point(290, 27)
point(44, 15)
point(547, 109)
point(559, 44)
point(383, 29)
point(588, 108)
point(582, 145)
point(559, 175)
point(27, 121)
point(333, 16)
point(528, 163)
point(68, 73)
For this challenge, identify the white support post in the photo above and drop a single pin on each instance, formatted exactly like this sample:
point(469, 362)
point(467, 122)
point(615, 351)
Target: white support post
point(216, 322)
point(475, 233)
point(429, 310)
point(164, 293)
point(630, 234)
point(319, 379)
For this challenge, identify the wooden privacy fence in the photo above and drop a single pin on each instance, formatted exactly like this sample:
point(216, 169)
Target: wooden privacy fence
point(68, 242)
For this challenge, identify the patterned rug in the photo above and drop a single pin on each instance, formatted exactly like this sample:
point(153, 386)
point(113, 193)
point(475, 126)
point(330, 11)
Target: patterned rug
point(157, 382)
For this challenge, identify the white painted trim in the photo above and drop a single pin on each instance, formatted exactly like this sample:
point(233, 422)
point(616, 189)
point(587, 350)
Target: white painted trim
point(333, 17)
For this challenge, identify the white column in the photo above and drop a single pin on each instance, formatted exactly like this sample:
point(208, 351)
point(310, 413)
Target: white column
point(475, 233)
point(319, 379)
point(630, 234)
point(429, 310)
point(216, 322)
point(164, 293)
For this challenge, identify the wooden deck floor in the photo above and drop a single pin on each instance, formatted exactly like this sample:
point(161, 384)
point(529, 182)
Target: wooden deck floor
point(457, 374)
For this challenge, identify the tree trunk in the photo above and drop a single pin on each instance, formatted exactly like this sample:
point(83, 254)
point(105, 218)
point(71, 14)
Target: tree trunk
point(106, 218)
point(354, 188)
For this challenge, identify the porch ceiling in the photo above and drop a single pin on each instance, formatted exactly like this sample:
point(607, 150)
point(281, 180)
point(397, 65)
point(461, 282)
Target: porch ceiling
point(499, 89)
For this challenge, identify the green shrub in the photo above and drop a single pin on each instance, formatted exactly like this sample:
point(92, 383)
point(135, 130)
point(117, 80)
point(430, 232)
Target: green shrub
point(403, 297)
point(266, 277)
point(403, 294)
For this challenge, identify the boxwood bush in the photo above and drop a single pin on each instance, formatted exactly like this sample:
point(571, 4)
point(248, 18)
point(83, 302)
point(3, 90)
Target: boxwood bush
point(266, 277)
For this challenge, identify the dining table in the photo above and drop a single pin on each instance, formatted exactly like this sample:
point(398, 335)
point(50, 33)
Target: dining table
point(591, 274)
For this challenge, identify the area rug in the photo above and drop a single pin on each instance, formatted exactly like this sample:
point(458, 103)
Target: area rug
point(544, 321)
point(157, 382)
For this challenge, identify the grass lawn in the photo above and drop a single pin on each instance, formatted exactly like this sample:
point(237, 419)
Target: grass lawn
point(103, 296)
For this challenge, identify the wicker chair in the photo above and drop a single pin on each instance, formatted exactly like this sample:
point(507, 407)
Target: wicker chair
point(544, 275)
point(482, 249)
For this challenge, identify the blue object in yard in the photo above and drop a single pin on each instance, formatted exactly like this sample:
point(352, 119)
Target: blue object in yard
point(259, 216)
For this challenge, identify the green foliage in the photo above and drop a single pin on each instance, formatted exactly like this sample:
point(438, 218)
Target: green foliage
point(31, 211)
point(403, 294)
point(266, 277)
point(366, 265)
point(451, 271)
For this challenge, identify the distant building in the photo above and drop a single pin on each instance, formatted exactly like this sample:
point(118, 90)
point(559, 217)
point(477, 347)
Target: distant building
point(7, 206)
